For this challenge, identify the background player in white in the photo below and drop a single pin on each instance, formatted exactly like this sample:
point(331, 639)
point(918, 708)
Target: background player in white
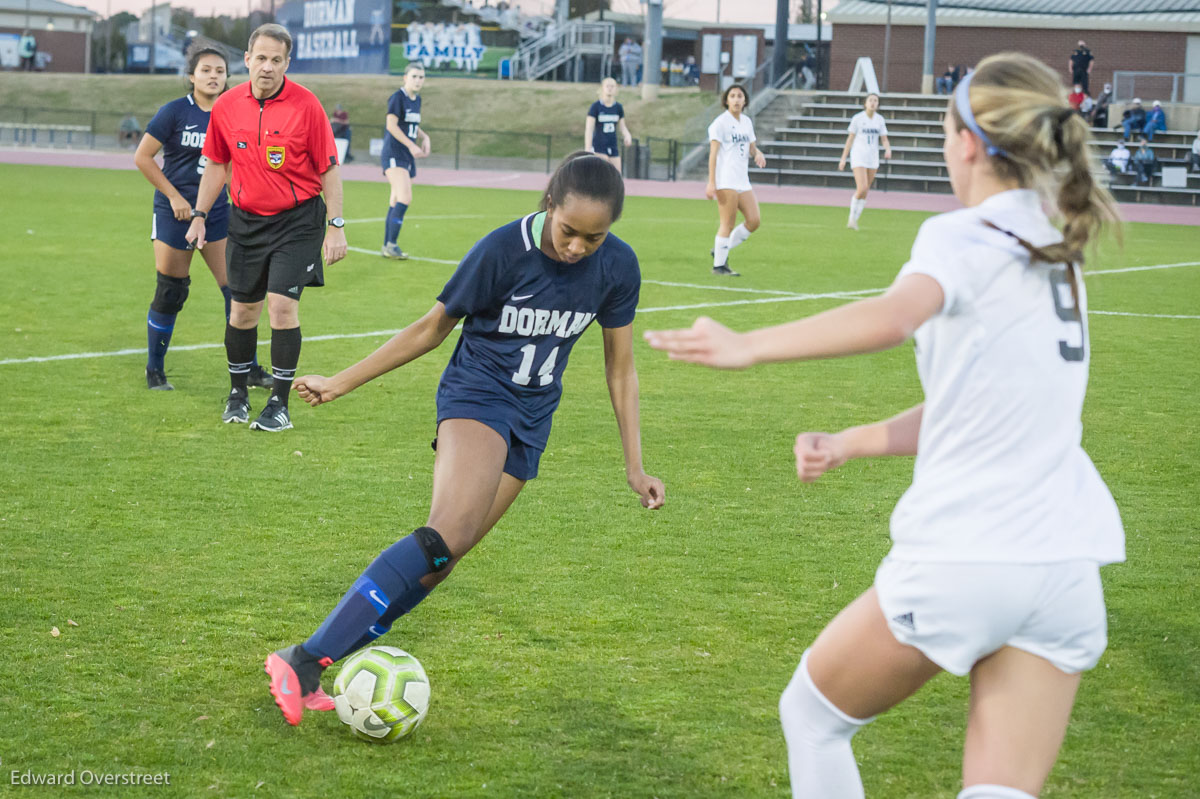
point(731, 146)
point(994, 569)
point(867, 129)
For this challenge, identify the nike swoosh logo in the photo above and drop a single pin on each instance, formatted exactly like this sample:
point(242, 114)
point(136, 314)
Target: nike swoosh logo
point(371, 723)
point(520, 298)
point(377, 598)
point(283, 686)
point(190, 127)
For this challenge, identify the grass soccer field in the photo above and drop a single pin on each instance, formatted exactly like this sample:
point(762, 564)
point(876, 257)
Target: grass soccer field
point(587, 648)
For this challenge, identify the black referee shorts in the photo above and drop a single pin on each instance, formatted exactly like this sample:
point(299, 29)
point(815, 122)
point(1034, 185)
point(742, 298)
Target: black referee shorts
point(280, 253)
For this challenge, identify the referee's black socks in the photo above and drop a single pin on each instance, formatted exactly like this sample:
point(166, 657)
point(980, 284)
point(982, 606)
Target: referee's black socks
point(285, 354)
point(239, 350)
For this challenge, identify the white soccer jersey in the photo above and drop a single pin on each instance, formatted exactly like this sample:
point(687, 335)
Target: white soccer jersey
point(1000, 475)
point(867, 133)
point(733, 159)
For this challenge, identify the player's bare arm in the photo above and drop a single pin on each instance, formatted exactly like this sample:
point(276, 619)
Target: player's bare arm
point(870, 325)
point(143, 159)
point(817, 453)
point(760, 160)
point(393, 127)
point(334, 247)
point(887, 148)
point(422, 336)
point(621, 376)
point(212, 183)
point(589, 128)
point(710, 191)
point(626, 136)
point(845, 152)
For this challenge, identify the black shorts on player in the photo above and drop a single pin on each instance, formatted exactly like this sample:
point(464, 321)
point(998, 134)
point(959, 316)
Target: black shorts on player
point(280, 254)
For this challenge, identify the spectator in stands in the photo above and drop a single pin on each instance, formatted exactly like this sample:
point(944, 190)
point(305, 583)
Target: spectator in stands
point(1156, 120)
point(1081, 65)
point(1075, 98)
point(949, 79)
point(27, 48)
point(1195, 156)
point(1145, 162)
point(809, 70)
point(129, 131)
point(691, 71)
point(1099, 117)
point(635, 53)
point(1118, 160)
point(628, 68)
point(1133, 119)
point(339, 120)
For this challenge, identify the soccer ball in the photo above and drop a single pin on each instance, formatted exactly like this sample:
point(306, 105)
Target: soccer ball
point(382, 693)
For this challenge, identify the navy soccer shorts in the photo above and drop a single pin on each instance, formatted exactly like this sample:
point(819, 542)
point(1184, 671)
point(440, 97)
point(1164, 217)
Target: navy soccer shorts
point(166, 228)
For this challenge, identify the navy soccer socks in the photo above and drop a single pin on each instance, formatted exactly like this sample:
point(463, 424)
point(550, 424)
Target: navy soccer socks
point(159, 327)
point(390, 587)
point(395, 220)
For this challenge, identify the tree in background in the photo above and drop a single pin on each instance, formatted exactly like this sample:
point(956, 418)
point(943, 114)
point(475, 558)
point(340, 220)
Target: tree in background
point(109, 43)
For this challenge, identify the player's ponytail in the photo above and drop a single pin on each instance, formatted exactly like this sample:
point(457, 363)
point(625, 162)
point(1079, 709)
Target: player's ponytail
point(588, 175)
point(1037, 140)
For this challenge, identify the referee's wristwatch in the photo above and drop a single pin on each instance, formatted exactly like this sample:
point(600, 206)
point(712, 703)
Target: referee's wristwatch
point(198, 213)
point(337, 222)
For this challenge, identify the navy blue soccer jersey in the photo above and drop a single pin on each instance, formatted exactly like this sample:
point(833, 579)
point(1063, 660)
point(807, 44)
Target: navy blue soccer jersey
point(604, 135)
point(523, 312)
point(181, 126)
point(408, 111)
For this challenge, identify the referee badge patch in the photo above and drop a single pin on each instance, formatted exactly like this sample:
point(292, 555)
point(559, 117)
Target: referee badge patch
point(275, 157)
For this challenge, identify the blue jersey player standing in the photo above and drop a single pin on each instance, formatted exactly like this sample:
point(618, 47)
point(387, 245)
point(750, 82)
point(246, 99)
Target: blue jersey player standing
point(178, 130)
point(403, 143)
point(524, 293)
point(604, 119)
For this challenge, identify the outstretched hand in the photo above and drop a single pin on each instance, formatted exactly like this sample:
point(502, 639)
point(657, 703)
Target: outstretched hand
point(651, 490)
point(817, 453)
point(706, 342)
point(315, 390)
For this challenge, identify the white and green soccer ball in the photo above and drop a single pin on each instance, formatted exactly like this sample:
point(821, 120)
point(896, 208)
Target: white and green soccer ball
point(382, 693)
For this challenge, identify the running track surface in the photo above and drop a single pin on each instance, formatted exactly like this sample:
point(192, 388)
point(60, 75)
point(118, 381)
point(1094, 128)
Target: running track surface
point(536, 181)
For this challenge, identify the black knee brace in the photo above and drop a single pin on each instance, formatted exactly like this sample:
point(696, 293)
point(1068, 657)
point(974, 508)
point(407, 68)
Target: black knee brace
point(435, 549)
point(170, 293)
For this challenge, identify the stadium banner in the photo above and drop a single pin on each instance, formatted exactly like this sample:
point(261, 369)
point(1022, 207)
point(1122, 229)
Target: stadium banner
point(338, 36)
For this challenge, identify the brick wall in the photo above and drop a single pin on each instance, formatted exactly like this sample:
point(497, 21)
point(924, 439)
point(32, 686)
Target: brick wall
point(67, 48)
point(1114, 50)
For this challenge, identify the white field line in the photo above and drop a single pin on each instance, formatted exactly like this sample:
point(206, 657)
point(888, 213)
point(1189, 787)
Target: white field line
point(410, 258)
point(426, 217)
point(781, 297)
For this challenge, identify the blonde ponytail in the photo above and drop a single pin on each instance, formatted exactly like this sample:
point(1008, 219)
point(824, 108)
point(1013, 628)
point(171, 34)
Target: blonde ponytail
point(1044, 144)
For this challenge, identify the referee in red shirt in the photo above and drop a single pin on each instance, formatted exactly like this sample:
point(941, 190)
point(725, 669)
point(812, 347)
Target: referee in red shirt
point(270, 139)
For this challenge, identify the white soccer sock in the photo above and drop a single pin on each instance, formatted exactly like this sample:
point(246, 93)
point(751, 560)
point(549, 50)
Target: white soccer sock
point(993, 792)
point(721, 251)
point(739, 234)
point(818, 735)
point(853, 208)
point(857, 210)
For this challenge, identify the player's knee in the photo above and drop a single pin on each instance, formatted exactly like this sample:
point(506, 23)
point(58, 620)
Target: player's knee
point(170, 293)
point(809, 717)
point(752, 224)
point(993, 792)
point(437, 554)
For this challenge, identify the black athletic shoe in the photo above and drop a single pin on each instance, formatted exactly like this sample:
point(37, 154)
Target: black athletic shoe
point(273, 419)
point(260, 378)
point(156, 380)
point(725, 270)
point(237, 409)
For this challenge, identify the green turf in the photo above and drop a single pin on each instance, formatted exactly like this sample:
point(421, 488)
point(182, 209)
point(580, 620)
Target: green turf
point(587, 647)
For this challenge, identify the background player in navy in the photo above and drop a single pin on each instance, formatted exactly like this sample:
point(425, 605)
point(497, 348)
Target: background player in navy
point(604, 119)
point(403, 143)
point(178, 130)
point(525, 293)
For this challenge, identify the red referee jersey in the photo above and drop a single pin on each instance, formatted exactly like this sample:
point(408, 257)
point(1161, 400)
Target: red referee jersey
point(279, 147)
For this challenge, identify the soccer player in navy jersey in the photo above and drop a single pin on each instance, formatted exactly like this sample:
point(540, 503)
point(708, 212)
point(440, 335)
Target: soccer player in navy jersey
point(524, 293)
point(178, 130)
point(403, 143)
point(604, 119)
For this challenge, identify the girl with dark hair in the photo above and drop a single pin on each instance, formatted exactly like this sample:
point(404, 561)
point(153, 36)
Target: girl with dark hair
point(866, 131)
point(997, 544)
point(178, 130)
point(524, 293)
point(731, 146)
